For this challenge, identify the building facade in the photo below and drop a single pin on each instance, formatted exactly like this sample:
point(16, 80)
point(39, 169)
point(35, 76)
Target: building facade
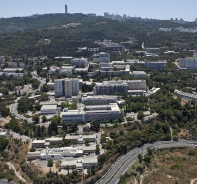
point(155, 65)
point(101, 58)
point(79, 62)
point(66, 87)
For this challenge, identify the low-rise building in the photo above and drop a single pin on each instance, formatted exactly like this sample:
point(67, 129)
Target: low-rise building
point(184, 95)
point(99, 100)
point(13, 70)
point(92, 113)
point(3, 134)
point(101, 58)
point(155, 65)
point(187, 63)
point(79, 62)
point(139, 74)
point(49, 109)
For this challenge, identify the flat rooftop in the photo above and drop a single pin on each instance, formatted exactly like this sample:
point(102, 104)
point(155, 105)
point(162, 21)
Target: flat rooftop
point(49, 107)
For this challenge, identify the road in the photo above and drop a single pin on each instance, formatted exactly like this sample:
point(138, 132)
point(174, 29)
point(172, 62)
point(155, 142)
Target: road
point(13, 110)
point(13, 107)
point(117, 169)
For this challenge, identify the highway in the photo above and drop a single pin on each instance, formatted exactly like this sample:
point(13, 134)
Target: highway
point(123, 163)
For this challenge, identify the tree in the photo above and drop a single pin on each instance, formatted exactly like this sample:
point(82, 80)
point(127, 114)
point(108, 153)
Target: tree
point(97, 149)
point(140, 158)
point(36, 118)
point(44, 119)
point(140, 115)
point(50, 163)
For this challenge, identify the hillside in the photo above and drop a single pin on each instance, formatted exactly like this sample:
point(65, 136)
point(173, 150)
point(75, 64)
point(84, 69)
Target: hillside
point(65, 33)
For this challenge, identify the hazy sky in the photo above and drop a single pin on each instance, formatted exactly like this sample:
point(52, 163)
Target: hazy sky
point(160, 9)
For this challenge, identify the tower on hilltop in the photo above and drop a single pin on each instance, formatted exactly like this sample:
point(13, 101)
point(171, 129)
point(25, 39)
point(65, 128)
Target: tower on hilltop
point(66, 9)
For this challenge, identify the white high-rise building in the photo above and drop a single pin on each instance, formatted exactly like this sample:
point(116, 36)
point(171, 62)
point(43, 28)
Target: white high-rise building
point(66, 87)
point(59, 88)
point(66, 9)
point(75, 87)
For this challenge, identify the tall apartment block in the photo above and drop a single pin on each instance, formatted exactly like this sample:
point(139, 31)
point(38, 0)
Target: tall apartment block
point(66, 87)
point(66, 9)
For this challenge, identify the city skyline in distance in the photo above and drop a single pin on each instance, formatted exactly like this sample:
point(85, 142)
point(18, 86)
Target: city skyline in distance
point(142, 8)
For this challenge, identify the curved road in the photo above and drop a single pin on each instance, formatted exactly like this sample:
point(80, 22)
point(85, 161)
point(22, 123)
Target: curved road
point(121, 165)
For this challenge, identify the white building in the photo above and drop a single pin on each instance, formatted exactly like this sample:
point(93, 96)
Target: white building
point(92, 113)
point(59, 88)
point(136, 84)
point(49, 109)
point(99, 100)
point(101, 58)
point(50, 85)
point(66, 87)
point(139, 74)
point(184, 95)
point(75, 87)
point(73, 116)
point(2, 59)
point(187, 63)
point(79, 62)
point(13, 70)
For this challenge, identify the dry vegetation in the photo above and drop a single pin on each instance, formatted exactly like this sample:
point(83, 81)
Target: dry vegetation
point(173, 166)
point(168, 166)
point(16, 154)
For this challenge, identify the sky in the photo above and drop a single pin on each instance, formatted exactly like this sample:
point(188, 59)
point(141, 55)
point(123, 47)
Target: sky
point(159, 9)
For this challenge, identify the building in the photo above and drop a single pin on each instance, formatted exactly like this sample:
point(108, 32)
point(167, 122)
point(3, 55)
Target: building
point(184, 95)
point(73, 116)
point(102, 112)
point(110, 88)
point(85, 163)
point(49, 109)
point(81, 139)
point(79, 62)
point(3, 134)
point(66, 9)
point(101, 58)
point(92, 113)
point(14, 75)
point(155, 65)
point(13, 70)
point(139, 74)
point(59, 87)
point(2, 59)
point(153, 50)
point(38, 143)
point(66, 87)
point(99, 100)
point(136, 85)
point(50, 85)
point(118, 87)
point(187, 63)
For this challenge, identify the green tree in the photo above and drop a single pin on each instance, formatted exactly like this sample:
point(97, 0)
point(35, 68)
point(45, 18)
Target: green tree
point(50, 163)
